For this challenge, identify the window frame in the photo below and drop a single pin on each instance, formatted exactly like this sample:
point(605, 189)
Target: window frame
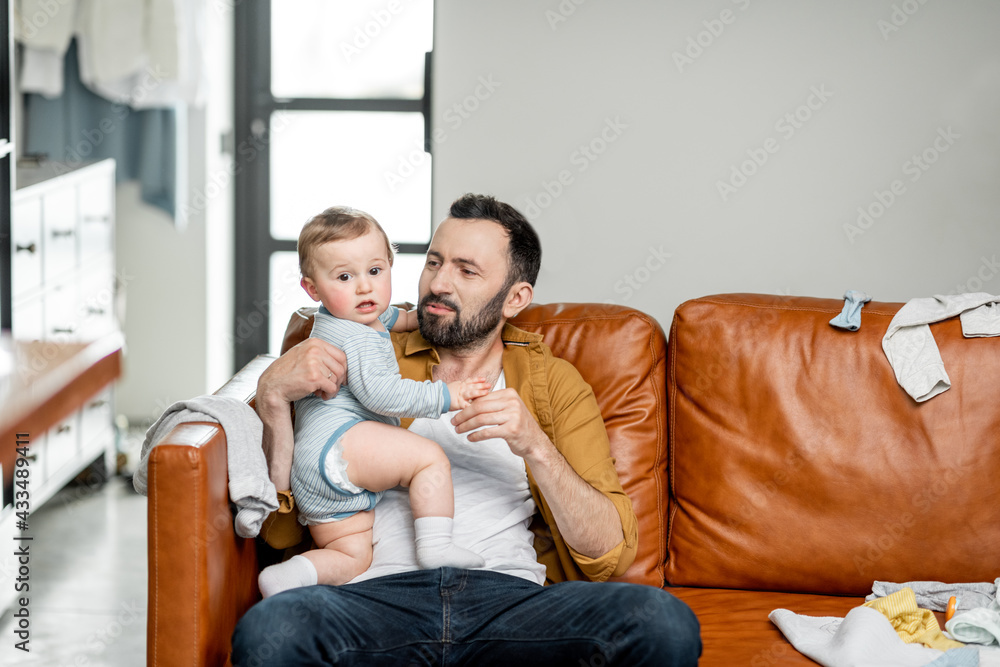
point(253, 106)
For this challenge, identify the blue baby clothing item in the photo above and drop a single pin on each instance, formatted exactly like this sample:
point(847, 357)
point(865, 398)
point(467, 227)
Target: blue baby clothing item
point(373, 391)
point(958, 657)
point(850, 317)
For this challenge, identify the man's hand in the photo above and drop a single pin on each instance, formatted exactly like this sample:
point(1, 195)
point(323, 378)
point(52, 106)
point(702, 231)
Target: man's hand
point(586, 518)
point(311, 367)
point(506, 416)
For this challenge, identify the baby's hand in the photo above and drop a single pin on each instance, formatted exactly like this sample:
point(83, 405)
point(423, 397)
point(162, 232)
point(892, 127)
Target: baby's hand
point(407, 320)
point(463, 391)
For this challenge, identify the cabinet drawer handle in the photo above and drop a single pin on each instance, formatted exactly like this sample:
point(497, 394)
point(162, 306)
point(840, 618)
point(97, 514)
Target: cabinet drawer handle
point(97, 218)
point(97, 404)
point(27, 248)
point(66, 330)
point(63, 428)
point(95, 311)
point(57, 233)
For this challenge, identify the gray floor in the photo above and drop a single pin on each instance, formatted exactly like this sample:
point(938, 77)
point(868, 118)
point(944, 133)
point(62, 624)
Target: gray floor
point(88, 581)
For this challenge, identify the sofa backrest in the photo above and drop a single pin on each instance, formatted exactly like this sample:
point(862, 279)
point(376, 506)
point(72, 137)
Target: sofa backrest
point(798, 464)
point(621, 353)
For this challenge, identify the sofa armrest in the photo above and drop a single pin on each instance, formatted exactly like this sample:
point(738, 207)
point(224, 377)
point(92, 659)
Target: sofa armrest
point(202, 576)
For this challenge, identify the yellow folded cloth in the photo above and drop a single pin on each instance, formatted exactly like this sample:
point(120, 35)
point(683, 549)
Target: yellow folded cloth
point(911, 623)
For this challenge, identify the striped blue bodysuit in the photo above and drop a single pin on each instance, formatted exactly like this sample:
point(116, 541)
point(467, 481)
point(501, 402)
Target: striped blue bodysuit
point(372, 391)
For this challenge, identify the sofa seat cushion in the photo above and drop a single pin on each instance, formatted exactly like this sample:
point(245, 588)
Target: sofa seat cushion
point(735, 629)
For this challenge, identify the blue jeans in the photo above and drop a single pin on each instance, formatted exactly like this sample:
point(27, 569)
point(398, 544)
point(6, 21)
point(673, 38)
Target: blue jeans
point(468, 617)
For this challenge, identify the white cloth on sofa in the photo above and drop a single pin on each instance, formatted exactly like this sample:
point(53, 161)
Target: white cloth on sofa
point(910, 347)
point(250, 487)
point(866, 638)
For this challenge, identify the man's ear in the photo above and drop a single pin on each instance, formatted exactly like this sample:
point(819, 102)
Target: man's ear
point(310, 287)
point(519, 298)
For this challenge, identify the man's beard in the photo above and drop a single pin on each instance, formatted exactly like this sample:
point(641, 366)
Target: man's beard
point(459, 334)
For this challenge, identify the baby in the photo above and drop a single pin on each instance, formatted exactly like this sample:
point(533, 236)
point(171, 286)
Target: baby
point(350, 449)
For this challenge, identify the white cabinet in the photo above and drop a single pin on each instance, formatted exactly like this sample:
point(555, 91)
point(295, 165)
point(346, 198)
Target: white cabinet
point(62, 290)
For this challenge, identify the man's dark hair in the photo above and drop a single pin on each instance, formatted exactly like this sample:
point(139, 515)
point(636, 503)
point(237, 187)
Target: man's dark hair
point(525, 248)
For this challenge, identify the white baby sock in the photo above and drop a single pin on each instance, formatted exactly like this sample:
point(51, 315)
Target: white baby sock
point(435, 547)
point(296, 572)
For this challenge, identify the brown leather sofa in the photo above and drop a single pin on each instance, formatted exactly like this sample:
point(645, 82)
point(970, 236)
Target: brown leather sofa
point(772, 461)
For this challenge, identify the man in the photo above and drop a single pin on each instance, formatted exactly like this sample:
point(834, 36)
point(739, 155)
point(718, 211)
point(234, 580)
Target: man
point(533, 451)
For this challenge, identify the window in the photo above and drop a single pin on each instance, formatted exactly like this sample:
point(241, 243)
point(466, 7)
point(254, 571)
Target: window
point(332, 108)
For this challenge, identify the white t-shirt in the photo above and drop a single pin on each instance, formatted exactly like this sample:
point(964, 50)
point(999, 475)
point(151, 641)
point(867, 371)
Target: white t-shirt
point(493, 507)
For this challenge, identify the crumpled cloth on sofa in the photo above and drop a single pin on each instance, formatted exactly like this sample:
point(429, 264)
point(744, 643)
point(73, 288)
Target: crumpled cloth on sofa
point(864, 638)
point(850, 317)
point(250, 487)
point(909, 345)
point(913, 624)
point(977, 626)
point(934, 595)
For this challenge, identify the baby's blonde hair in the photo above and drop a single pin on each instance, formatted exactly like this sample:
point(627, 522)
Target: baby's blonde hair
point(337, 223)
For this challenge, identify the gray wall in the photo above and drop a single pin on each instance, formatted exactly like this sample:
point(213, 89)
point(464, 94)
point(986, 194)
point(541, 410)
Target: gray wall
point(669, 150)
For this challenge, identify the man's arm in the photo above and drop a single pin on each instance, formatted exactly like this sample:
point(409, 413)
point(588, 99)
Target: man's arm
point(311, 367)
point(587, 519)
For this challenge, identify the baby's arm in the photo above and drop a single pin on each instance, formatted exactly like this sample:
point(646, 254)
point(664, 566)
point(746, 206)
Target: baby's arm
point(380, 387)
point(463, 391)
point(407, 321)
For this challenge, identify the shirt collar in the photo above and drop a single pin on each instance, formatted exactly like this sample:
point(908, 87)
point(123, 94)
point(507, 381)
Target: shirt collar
point(414, 343)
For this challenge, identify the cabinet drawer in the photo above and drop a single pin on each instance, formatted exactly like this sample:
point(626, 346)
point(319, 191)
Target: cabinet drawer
point(97, 299)
point(26, 245)
point(62, 445)
point(36, 463)
point(97, 203)
point(60, 232)
point(62, 313)
point(30, 321)
point(97, 429)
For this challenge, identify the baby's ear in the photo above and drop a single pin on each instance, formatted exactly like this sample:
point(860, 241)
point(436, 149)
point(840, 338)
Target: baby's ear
point(310, 287)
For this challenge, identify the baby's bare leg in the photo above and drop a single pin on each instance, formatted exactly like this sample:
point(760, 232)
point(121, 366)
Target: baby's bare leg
point(345, 552)
point(380, 457)
point(345, 548)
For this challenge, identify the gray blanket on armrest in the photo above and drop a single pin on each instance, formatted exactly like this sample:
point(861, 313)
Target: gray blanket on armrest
point(250, 488)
